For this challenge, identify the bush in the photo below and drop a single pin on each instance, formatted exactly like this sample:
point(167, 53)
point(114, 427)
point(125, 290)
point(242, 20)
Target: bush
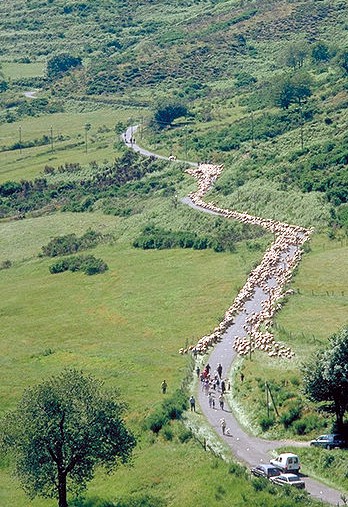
point(307, 424)
point(290, 416)
point(157, 238)
point(237, 470)
point(5, 264)
point(167, 432)
point(171, 408)
point(185, 435)
point(88, 264)
point(65, 245)
point(60, 64)
point(259, 483)
point(266, 422)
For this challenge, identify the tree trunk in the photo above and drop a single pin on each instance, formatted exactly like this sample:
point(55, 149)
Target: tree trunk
point(339, 415)
point(62, 502)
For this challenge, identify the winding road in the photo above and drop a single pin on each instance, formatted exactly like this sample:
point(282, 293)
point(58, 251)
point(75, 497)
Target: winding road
point(248, 449)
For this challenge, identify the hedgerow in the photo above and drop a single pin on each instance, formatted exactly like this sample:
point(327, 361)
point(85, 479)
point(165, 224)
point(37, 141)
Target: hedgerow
point(89, 264)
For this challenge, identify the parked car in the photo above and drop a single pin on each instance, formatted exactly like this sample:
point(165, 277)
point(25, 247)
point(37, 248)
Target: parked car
point(288, 479)
point(328, 441)
point(265, 470)
point(287, 462)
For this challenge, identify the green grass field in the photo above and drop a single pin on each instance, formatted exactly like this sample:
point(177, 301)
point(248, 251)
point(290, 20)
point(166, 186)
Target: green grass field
point(20, 70)
point(68, 141)
point(124, 326)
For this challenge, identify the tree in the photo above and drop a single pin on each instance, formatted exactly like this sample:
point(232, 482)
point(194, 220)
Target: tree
point(166, 113)
point(60, 430)
point(321, 52)
point(343, 61)
point(290, 89)
point(295, 54)
point(326, 376)
point(60, 64)
point(3, 82)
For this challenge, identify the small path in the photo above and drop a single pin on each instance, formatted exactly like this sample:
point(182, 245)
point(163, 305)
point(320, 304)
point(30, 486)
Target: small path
point(248, 449)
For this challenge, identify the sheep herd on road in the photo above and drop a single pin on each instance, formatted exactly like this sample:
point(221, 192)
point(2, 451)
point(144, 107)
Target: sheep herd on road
point(266, 282)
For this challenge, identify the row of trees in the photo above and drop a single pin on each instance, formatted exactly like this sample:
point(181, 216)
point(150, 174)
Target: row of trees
point(295, 54)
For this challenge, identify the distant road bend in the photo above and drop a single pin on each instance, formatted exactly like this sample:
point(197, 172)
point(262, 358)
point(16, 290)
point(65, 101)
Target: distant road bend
point(251, 313)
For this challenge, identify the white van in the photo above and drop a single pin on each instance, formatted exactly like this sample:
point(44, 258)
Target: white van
point(287, 462)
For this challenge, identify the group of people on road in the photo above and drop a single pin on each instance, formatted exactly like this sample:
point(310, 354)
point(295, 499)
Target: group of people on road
point(214, 385)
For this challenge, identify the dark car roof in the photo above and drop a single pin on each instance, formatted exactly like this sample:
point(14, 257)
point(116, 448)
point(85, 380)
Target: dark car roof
point(265, 466)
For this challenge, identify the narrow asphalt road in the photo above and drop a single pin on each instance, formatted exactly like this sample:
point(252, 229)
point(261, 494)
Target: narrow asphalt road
point(246, 448)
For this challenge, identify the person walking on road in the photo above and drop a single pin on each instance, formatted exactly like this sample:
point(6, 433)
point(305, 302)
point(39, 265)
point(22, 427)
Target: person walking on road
point(192, 404)
point(221, 401)
point(219, 369)
point(223, 425)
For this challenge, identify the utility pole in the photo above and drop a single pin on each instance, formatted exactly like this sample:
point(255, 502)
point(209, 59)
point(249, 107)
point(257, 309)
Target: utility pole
point(252, 128)
point(51, 131)
point(87, 128)
point(267, 399)
point(20, 139)
point(301, 127)
point(185, 142)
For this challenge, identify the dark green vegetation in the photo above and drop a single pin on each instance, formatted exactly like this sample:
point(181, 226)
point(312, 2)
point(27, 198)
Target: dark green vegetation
point(326, 377)
point(61, 430)
point(259, 86)
point(86, 263)
point(64, 245)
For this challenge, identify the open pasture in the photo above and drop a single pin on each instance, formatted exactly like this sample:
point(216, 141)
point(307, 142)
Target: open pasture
point(69, 141)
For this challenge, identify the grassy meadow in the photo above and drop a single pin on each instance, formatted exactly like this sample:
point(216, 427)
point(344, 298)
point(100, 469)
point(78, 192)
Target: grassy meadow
point(69, 142)
point(125, 327)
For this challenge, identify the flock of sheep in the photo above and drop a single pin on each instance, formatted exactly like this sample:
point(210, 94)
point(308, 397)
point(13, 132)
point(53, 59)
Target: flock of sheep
point(269, 278)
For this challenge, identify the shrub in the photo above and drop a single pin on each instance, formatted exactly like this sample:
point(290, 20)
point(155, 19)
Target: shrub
point(65, 245)
point(307, 424)
point(5, 264)
point(266, 422)
point(185, 435)
point(88, 264)
point(291, 415)
point(167, 432)
point(157, 238)
point(171, 408)
point(259, 483)
point(237, 470)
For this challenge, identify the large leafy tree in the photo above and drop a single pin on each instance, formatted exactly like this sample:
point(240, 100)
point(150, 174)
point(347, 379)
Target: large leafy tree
point(290, 89)
point(166, 113)
point(60, 64)
point(60, 430)
point(326, 376)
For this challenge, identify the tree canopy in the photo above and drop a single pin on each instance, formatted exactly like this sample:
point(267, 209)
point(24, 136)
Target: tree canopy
point(166, 113)
point(60, 430)
point(60, 64)
point(326, 376)
point(295, 88)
